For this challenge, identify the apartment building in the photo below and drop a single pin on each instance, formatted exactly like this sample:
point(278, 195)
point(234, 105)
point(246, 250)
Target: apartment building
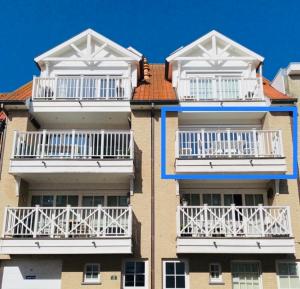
point(83, 203)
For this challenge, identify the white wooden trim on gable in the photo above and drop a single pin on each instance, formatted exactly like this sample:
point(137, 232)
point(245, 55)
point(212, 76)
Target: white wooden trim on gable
point(128, 55)
point(213, 34)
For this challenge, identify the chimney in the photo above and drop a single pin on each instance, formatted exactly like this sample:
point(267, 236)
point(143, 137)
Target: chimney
point(146, 70)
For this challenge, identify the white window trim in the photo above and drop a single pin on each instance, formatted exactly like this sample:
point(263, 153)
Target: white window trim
point(220, 279)
point(250, 261)
point(146, 273)
point(98, 281)
point(186, 266)
point(285, 261)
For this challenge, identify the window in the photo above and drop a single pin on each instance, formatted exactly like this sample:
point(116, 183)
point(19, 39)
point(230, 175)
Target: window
point(43, 201)
point(215, 273)
point(212, 199)
point(191, 199)
point(254, 200)
point(65, 200)
point(246, 275)
point(92, 201)
point(175, 274)
point(117, 201)
point(91, 273)
point(288, 275)
point(135, 274)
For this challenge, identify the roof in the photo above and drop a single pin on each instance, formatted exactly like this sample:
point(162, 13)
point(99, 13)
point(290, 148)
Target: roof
point(22, 93)
point(219, 35)
point(157, 88)
point(272, 93)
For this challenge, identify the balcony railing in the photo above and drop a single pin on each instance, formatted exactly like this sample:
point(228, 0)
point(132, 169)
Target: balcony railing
point(233, 221)
point(201, 88)
point(65, 222)
point(73, 144)
point(70, 88)
point(228, 143)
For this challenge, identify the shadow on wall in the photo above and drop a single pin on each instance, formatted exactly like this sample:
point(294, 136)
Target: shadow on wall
point(138, 180)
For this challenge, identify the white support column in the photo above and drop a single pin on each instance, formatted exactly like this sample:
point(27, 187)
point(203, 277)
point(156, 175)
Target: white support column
point(131, 185)
point(18, 184)
point(276, 186)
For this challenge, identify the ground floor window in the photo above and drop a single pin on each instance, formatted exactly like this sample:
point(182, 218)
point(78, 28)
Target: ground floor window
point(135, 274)
point(91, 273)
point(288, 275)
point(215, 273)
point(246, 275)
point(175, 274)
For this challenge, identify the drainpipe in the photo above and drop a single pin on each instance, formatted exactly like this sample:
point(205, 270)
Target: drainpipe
point(152, 201)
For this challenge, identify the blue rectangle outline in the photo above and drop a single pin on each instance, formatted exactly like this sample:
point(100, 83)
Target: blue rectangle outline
point(164, 175)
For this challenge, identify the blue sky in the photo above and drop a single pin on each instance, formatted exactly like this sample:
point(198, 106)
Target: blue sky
point(154, 27)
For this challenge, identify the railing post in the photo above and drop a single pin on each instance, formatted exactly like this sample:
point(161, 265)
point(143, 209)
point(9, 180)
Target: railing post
point(280, 143)
point(34, 83)
point(262, 221)
point(233, 211)
point(229, 142)
point(36, 216)
point(43, 143)
point(52, 223)
point(178, 224)
point(54, 88)
point(14, 149)
point(81, 87)
point(289, 219)
point(177, 146)
point(131, 145)
point(73, 144)
point(67, 221)
point(255, 142)
point(203, 143)
point(5, 222)
point(129, 229)
point(102, 144)
point(205, 208)
point(98, 220)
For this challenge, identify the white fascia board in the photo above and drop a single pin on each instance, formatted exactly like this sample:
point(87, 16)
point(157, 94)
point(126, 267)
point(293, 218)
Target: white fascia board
point(83, 34)
point(219, 35)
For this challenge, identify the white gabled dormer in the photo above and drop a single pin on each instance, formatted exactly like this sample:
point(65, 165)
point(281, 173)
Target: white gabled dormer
point(86, 74)
point(215, 68)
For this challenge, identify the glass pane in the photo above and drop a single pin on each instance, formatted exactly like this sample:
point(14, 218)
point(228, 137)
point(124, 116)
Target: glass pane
point(87, 201)
point(216, 200)
point(249, 200)
point(140, 280)
point(72, 201)
point(180, 282)
point(228, 200)
point(170, 268)
point(207, 199)
point(170, 282)
point(36, 200)
point(98, 200)
point(140, 267)
point(123, 201)
point(180, 268)
point(195, 200)
point(283, 269)
point(259, 199)
point(61, 201)
point(129, 280)
point(47, 201)
point(112, 201)
point(129, 267)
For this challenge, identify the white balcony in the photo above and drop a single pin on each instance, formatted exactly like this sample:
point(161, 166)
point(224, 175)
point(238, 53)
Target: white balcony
point(220, 89)
point(229, 151)
point(73, 152)
point(93, 98)
point(234, 229)
point(67, 230)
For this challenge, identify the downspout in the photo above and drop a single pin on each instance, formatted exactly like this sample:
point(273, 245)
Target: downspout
point(152, 201)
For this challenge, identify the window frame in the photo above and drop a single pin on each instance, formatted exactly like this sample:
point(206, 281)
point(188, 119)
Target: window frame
point(85, 281)
point(186, 271)
point(215, 280)
point(248, 261)
point(289, 262)
point(145, 261)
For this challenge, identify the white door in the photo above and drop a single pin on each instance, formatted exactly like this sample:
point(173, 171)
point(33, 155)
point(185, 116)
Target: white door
point(31, 274)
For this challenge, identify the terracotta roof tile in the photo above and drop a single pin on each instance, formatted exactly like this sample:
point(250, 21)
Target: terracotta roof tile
point(157, 88)
point(272, 93)
point(21, 93)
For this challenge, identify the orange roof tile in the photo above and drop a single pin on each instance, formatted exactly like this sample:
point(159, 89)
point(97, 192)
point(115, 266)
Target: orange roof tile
point(157, 88)
point(21, 93)
point(272, 93)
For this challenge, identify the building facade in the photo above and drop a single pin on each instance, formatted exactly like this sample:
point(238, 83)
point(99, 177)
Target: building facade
point(83, 201)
